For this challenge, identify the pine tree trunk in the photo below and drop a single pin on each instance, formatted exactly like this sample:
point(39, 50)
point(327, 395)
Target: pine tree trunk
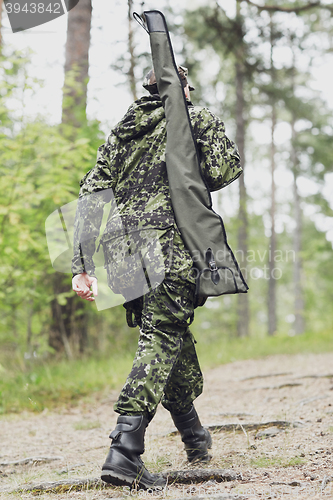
point(243, 316)
point(297, 243)
point(68, 332)
point(243, 313)
point(272, 319)
point(77, 64)
point(272, 322)
point(297, 275)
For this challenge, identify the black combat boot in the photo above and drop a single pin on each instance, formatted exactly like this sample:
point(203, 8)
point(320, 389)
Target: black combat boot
point(197, 440)
point(123, 465)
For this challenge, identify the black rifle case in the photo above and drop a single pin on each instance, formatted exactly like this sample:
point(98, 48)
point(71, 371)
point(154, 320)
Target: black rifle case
point(201, 228)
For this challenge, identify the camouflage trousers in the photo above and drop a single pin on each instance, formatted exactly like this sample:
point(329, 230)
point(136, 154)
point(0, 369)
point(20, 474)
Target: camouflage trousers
point(165, 366)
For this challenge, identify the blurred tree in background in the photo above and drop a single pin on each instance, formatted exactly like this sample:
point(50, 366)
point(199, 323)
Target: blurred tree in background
point(270, 95)
point(68, 331)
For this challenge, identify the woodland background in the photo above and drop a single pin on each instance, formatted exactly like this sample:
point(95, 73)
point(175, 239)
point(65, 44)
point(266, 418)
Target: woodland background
point(254, 68)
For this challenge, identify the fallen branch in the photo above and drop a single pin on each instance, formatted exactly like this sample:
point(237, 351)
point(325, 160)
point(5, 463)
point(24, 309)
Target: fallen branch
point(63, 486)
point(282, 424)
point(200, 475)
point(31, 461)
point(281, 386)
point(266, 376)
point(293, 483)
point(178, 477)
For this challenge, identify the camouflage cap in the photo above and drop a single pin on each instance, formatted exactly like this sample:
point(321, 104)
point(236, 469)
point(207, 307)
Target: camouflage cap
point(150, 84)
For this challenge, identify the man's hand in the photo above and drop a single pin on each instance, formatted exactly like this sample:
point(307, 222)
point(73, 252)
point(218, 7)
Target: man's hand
point(81, 284)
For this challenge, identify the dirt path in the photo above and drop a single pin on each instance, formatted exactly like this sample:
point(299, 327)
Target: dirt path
point(295, 462)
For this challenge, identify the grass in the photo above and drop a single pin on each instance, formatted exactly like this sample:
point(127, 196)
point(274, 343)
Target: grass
point(51, 384)
point(277, 462)
point(226, 350)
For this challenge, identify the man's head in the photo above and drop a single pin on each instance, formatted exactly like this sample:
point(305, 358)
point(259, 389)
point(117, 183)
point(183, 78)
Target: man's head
point(150, 84)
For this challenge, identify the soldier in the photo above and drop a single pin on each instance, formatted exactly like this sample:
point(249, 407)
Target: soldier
point(131, 166)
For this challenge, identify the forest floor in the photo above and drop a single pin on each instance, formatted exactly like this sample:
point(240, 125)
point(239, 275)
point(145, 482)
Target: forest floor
point(288, 453)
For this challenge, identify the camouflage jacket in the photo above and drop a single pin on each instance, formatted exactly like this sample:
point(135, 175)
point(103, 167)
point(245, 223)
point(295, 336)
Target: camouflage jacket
point(130, 172)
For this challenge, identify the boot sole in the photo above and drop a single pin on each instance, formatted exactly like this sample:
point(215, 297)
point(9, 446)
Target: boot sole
point(200, 459)
point(117, 477)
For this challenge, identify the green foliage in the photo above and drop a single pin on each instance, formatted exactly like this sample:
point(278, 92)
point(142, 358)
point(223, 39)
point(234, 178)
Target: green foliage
point(40, 170)
point(317, 257)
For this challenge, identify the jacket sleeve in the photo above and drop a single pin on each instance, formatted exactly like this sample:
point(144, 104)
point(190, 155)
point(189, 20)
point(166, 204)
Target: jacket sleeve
point(220, 160)
point(96, 190)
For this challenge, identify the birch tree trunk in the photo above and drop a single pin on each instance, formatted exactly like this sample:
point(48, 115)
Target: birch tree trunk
point(131, 72)
point(272, 322)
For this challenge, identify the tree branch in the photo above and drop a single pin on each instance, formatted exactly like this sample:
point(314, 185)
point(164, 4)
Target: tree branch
point(276, 8)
